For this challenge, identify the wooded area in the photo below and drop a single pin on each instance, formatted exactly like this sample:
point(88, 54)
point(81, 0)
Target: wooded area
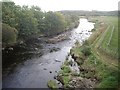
point(22, 23)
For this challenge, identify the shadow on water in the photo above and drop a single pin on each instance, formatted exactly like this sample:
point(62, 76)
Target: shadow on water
point(11, 58)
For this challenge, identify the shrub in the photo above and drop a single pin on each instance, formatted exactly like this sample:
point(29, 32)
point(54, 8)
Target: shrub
point(85, 43)
point(109, 82)
point(9, 35)
point(86, 50)
point(52, 84)
point(77, 43)
point(66, 80)
point(66, 69)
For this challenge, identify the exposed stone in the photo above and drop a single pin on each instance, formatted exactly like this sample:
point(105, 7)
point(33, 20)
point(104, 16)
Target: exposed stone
point(36, 49)
point(56, 71)
point(54, 49)
point(10, 48)
point(45, 69)
point(78, 82)
point(55, 77)
point(57, 60)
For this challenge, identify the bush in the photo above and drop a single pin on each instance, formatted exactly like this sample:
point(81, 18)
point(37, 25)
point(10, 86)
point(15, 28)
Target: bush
point(109, 82)
point(66, 69)
point(52, 84)
point(85, 43)
point(86, 50)
point(77, 43)
point(9, 35)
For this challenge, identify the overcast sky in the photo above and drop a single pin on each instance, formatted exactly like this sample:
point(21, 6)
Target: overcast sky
point(55, 5)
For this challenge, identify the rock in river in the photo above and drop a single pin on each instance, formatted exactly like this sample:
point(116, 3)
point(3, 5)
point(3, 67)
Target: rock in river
point(56, 60)
point(50, 71)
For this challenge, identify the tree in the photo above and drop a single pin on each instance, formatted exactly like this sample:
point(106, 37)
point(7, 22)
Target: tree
point(28, 24)
point(39, 15)
point(32, 21)
point(54, 22)
point(9, 35)
point(8, 15)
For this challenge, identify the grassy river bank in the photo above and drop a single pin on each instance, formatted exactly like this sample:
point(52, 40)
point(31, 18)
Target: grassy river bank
point(98, 66)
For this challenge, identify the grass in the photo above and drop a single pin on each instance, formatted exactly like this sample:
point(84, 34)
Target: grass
point(64, 75)
point(65, 69)
point(52, 84)
point(66, 80)
point(106, 54)
point(107, 69)
point(105, 75)
point(112, 48)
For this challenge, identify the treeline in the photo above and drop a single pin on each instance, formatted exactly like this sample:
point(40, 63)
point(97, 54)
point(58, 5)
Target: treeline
point(22, 23)
point(90, 13)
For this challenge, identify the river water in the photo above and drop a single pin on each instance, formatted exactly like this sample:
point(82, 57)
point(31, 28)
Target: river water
point(37, 71)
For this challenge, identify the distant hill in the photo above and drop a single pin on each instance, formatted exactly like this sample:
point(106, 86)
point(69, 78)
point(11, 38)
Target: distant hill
point(90, 13)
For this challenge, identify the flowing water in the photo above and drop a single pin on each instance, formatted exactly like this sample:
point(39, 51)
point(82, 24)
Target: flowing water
point(37, 71)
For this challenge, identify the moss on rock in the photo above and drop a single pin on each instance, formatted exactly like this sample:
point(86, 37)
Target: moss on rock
point(52, 84)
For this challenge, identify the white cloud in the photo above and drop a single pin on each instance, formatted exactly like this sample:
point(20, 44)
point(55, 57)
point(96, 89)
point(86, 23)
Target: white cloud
point(103, 5)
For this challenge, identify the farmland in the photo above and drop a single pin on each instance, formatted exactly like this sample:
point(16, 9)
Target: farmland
point(110, 41)
point(105, 47)
point(106, 42)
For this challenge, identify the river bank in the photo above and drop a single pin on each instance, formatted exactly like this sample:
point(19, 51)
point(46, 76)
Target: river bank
point(75, 71)
point(86, 78)
point(93, 72)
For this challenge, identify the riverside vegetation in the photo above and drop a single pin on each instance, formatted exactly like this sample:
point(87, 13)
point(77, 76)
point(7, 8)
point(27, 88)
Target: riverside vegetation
point(25, 28)
point(99, 67)
point(26, 22)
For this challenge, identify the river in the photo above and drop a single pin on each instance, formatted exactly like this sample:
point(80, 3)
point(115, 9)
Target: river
point(36, 72)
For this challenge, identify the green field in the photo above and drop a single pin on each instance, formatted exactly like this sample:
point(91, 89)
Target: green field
point(108, 40)
point(105, 48)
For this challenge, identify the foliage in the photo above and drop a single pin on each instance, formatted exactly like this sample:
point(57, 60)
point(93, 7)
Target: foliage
point(9, 35)
point(28, 23)
point(107, 76)
point(52, 84)
point(32, 21)
point(66, 80)
point(85, 43)
point(9, 13)
point(64, 74)
point(86, 50)
point(77, 43)
point(109, 82)
point(65, 69)
point(54, 22)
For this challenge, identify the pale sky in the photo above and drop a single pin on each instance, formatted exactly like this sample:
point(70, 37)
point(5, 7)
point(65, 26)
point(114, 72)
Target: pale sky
point(55, 5)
